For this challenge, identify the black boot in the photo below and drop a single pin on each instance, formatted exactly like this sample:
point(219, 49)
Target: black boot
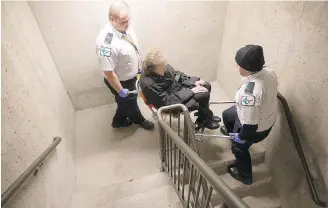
point(245, 179)
point(205, 120)
point(216, 119)
point(126, 123)
point(224, 131)
point(212, 125)
point(147, 125)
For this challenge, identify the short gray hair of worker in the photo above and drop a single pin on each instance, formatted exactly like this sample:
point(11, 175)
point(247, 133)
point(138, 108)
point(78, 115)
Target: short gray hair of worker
point(118, 9)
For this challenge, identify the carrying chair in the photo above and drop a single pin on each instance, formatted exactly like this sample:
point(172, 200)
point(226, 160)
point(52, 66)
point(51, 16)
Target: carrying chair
point(199, 130)
point(138, 91)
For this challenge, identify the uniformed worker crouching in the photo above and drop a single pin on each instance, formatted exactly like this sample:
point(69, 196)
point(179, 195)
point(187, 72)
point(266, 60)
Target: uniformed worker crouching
point(118, 53)
point(255, 111)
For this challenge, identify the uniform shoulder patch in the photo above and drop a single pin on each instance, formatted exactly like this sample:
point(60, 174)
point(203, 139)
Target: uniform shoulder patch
point(248, 100)
point(105, 51)
point(109, 38)
point(249, 88)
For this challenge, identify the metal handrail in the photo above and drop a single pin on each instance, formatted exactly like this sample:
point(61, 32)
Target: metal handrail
point(28, 172)
point(300, 152)
point(229, 197)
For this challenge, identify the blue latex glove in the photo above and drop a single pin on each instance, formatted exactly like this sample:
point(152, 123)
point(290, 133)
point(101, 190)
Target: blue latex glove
point(123, 93)
point(238, 140)
point(139, 71)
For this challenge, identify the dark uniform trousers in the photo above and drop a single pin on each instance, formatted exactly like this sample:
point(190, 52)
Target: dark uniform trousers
point(126, 107)
point(243, 159)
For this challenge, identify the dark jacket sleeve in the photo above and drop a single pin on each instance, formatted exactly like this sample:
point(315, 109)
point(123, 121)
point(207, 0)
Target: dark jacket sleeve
point(159, 97)
point(153, 97)
point(185, 80)
point(155, 94)
point(188, 80)
point(183, 92)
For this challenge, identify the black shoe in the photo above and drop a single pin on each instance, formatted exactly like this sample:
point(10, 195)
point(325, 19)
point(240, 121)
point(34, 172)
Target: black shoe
point(126, 123)
point(224, 131)
point(233, 171)
point(212, 125)
point(216, 119)
point(147, 125)
point(198, 124)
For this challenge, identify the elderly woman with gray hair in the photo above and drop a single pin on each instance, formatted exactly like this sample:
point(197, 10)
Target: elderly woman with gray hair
point(162, 86)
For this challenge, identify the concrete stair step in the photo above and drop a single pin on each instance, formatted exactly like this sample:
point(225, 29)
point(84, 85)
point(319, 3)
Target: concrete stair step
point(266, 200)
point(155, 198)
point(269, 201)
point(175, 205)
point(157, 186)
point(227, 158)
point(261, 181)
point(112, 155)
point(214, 150)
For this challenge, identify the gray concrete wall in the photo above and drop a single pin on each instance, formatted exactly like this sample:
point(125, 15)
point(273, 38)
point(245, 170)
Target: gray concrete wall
point(35, 108)
point(189, 32)
point(294, 36)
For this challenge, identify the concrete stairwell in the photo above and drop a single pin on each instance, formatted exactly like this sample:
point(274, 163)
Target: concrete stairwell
point(118, 168)
point(121, 168)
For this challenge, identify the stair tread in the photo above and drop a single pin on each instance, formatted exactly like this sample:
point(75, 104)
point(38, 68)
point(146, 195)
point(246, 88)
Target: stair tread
point(227, 158)
point(261, 181)
point(158, 198)
point(215, 151)
point(173, 205)
point(268, 201)
point(260, 172)
point(112, 155)
point(107, 194)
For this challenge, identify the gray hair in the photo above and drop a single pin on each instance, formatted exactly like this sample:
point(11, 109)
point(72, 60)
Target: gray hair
point(117, 9)
point(152, 59)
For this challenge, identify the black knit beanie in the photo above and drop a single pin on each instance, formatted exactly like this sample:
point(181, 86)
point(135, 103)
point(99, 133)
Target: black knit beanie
point(250, 58)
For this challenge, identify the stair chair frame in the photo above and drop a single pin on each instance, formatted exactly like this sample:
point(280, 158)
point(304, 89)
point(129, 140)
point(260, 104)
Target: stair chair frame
point(199, 129)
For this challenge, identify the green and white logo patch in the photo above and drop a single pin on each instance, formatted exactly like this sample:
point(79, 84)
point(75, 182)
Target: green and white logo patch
point(105, 51)
point(248, 100)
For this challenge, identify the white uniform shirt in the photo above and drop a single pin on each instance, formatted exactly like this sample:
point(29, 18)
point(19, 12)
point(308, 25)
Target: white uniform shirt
point(117, 54)
point(256, 100)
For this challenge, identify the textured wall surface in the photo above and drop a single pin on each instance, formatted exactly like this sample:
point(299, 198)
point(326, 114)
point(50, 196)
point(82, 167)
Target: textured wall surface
point(35, 108)
point(189, 32)
point(294, 36)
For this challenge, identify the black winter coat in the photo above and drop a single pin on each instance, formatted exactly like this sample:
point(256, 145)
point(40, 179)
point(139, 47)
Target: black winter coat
point(172, 88)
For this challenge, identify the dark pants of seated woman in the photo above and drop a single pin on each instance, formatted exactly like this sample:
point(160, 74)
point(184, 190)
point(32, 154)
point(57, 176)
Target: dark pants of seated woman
point(203, 99)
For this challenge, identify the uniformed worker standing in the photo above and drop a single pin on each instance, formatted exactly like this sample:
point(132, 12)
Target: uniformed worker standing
point(254, 114)
point(117, 49)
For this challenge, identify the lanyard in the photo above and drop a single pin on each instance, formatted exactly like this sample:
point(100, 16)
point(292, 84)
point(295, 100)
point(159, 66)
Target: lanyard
point(125, 37)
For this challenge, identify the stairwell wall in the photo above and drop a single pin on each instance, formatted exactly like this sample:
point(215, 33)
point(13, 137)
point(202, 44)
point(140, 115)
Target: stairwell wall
point(189, 32)
point(35, 108)
point(294, 36)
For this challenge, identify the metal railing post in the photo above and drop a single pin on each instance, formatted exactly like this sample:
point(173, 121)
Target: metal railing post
point(187, 147)
point(162, 148)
